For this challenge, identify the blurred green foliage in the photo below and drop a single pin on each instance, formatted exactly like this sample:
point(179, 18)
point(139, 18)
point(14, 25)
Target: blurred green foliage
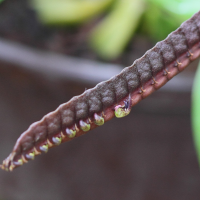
point(109, 38)
point(112, 34)
point(68, 11)
point(196, 112)
point(1, 1)
point(163, 17)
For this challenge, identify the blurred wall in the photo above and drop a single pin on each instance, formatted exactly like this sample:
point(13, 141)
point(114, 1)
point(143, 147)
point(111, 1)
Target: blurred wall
point(147, 155)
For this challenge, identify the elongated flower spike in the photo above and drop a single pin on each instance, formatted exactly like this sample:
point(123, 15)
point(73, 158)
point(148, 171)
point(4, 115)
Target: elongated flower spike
point(113, 97)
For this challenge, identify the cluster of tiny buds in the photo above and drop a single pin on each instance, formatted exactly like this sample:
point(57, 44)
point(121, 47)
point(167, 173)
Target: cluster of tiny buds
point(9, 164)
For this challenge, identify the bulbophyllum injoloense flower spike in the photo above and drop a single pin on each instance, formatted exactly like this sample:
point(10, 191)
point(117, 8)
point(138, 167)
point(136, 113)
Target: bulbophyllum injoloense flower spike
point(111, 98)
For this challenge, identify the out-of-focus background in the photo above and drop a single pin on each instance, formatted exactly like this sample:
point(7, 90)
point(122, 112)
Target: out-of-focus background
point(51, 50)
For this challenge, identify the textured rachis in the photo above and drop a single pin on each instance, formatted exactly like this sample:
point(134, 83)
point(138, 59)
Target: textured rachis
point(114, 97)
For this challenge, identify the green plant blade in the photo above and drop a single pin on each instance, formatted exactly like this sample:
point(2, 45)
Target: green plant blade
point(162, 17)
point(68, 11)
point(180, 9)
point(111, 36)
point(196, 112)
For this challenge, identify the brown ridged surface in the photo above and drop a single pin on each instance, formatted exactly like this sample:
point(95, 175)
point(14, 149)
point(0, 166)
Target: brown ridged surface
point(146, 75)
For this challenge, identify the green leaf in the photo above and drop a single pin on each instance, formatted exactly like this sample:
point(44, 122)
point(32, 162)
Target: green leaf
point(68, 11)
point(182, 9)
point(111, 36)
point(157, 24)
point(163, 17)
point(196, 112)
